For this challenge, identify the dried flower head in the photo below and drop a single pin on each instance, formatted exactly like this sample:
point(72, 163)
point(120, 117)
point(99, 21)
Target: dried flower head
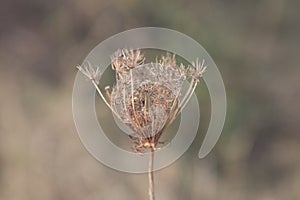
point(146, 96)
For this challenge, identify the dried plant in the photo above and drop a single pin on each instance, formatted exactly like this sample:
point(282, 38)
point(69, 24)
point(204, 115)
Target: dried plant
point(146, 96)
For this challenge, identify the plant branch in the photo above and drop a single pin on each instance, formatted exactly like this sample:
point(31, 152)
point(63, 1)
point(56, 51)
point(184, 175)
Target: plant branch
point(151, 175)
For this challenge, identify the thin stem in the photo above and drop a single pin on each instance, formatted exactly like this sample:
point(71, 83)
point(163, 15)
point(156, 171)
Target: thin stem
point(187, 93)
point(188, 98)
point(92, 74)
point(103, 98)
point(151, 175)
point(184, 101)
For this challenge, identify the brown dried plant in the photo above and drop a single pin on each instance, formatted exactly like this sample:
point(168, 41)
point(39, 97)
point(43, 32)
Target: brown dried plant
point(146, 96)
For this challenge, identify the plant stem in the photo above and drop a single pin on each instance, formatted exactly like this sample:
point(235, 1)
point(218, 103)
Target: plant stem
point(151, 175)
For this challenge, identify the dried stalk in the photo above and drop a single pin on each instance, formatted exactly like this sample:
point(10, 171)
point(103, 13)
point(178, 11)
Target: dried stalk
point(151, 175)
point(146, 97)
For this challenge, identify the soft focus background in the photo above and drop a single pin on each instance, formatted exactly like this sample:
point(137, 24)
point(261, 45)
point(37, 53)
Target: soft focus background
point(256, 47)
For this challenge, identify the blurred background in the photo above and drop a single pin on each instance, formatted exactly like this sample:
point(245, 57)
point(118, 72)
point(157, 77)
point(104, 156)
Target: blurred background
point(255, 44)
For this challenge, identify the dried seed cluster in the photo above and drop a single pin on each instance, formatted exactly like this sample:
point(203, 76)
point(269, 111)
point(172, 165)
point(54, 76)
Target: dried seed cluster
point(146, 96)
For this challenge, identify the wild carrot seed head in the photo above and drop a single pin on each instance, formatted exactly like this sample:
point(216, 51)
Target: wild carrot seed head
point(146, 96)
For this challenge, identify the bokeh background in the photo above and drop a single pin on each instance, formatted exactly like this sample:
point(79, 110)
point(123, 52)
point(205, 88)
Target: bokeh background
point(256, 47)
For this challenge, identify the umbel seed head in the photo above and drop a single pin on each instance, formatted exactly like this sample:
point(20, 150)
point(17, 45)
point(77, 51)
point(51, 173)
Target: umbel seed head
point(146, 96)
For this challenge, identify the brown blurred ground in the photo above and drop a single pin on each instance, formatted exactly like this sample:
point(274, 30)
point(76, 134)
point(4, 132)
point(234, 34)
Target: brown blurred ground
point(254, 43)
